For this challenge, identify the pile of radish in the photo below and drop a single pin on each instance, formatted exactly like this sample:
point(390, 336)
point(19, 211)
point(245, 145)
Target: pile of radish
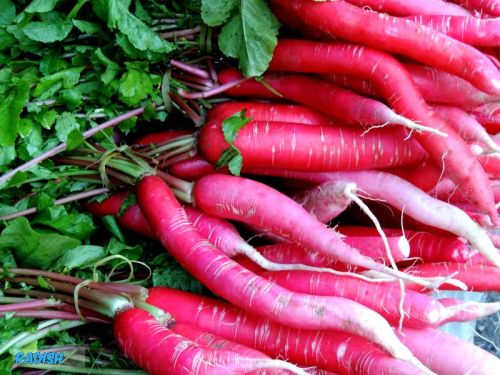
point(366, 162)
point(383, 122)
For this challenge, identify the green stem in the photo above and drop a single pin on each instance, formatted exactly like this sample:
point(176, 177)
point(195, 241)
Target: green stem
point(61, 326)
point(13, 341)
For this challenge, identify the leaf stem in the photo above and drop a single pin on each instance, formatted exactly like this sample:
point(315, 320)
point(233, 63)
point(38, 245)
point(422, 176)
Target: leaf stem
point(62, 146)
point(58, 202)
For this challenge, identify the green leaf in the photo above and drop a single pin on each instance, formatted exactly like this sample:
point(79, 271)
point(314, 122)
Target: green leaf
point(138, 33)
point(7, 13)
point(73, 224)
point(112, 68)
point(49, 85)
point(174, 276)
point(216, 12)
point(51, 30)
point(33, 249)
point(6, 40)
point(231, 157)
point(11, 107)
point(250, 36)
point(65, 125)
point(233, 124)
point(135, 86)
point(41, 6)
point(7, 155)
point(87, 27)
point(80, 257)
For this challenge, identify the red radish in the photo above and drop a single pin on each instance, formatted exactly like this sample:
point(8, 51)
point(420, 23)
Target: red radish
point(424, 175)
point(489, 7)
point(416, 204)
point(245, 289)
point(326, 201)
point(434, 85)
point(491, 164)
point(144, 340)
point(478, 278)
point(394, 81)
point(428, 247)
point(339, 19)
point(220, 233)
point(192, 169)
point(420, 310)
point(249, 201)
point(211, 341)
point(371, 246)
point(131, 219)
point(489, 116)
point(325, 97)
point(311, 148)
point(270, 112)
point(405, 8)
point(461, 357)
point(468, 310)
point(161, 137)
point(467, 126)
point(331, 350)
point(479, 32)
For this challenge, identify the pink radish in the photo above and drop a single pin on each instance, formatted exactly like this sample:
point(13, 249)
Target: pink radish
point(405, 8)
point(143, 339)
point(323, 96)
point(339, 19)
point(247, 290)
point(471, 30)
point(330, 350)
point(462, 357)
point(312, 148)
point(394, 81)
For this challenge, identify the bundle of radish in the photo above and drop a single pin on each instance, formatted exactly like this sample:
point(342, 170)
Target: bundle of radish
point(365, 161)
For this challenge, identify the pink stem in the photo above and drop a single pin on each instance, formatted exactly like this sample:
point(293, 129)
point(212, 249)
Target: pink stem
point(177, 34)
point(29, 305)
point(62, 146)
point(190, 69)
point(211, 92)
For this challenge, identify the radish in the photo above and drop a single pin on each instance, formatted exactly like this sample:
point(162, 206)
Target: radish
point(477, 277)
point(342, 20)
point(384, 298)
point(471, 30)
point(488, 7)
point(394, 81)
point(428, 247)
point(415, 203)
point(220, 233)
point(270, 112)
point(405, 8)
point(330, 350)
point(326, 201)
point(467, 126)
point(371, 246)
point(461, 357)
point(434, 85)
point(323, 96)
point(192, 169)
point(144, 340)
point(248, 201)
point(247, 290)
point(311, 148)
